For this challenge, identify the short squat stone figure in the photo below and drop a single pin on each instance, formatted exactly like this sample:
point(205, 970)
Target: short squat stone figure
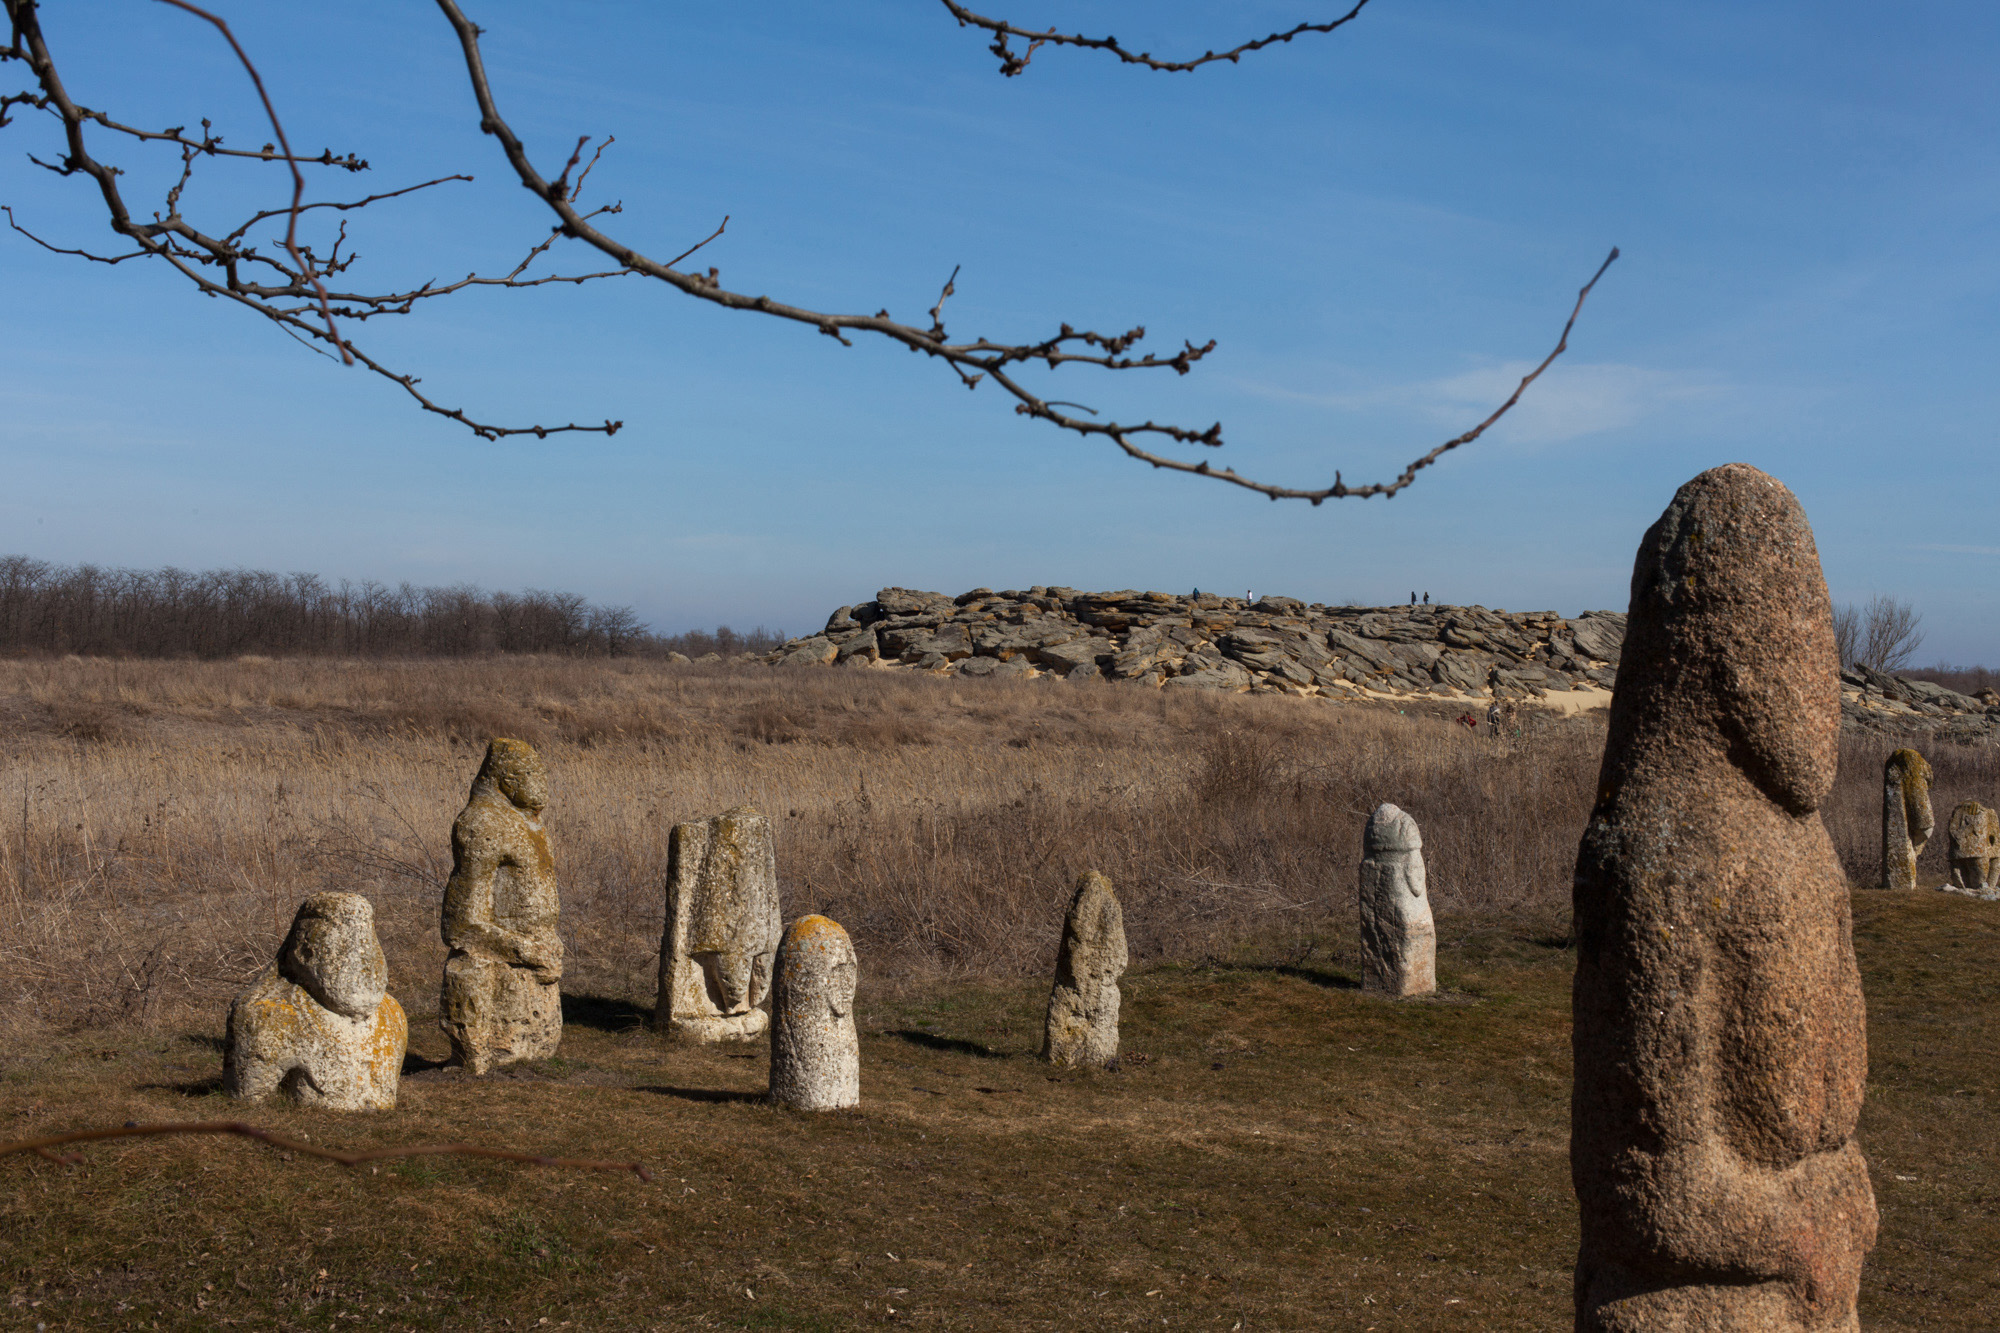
point(1398, 936)
point(1082, 1025)
point(1719, 1036)
point(502, 997)
point(1906, 817)
point(815, 1054)
point(318, 1027)
point(722, 928)
point(1975, 850)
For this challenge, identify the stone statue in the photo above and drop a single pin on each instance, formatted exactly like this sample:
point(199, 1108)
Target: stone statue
point(1906, 817)
point(502, 999)
point(722, 928)
point(1975, 850)
point(815, 1054)
point(1719, 1036)
point(1398, 936)
point(318, 1027)
point(1082, 1026)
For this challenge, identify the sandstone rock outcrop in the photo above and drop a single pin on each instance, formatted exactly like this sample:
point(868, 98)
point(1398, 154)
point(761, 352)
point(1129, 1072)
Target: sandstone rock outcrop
point(722, 928)
point(1975, 850)
point(1281, 645)
point(501, 1000)
point(1906, 817)
point(1719, 1035)
point(318, 1026)
point(815, 1053)
point(1398, 936)
point(1082, 1025)
point(1201, 641)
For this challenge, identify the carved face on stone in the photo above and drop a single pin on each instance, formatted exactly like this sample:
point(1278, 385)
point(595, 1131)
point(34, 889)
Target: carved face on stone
point(1731, 627)
point(332, 953)
point(516, 772)
point(817, 959)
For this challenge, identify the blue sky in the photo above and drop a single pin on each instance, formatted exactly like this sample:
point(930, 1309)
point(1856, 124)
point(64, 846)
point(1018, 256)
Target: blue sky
point(1381, 228)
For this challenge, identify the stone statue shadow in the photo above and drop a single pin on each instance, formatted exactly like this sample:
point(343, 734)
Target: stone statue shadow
point(1312, 976)
point(710, 1095)
point(930, 1041)
point(604, 1013)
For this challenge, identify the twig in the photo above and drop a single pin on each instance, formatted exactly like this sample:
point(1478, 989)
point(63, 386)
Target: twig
point(298, 177)
point(44, 1147)
point(1012, 64)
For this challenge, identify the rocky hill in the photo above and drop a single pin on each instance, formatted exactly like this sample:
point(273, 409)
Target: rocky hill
point(1280, 645)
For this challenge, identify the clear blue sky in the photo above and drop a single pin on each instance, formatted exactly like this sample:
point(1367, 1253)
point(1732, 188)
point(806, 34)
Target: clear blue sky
point(1380, 227)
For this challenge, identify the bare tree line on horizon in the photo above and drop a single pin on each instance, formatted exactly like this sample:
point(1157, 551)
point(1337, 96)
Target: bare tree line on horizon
point(299, 284)
point(98, 612)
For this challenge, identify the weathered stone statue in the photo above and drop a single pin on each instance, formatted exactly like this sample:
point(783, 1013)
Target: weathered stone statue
point(502, 1000)
point(1398, 936)
point(318, 1027)
point(1906, 817)
point(1975, 850)
point(722, 928)
point(1083, 1005)
point(815, 1055)
point(1720, 1048)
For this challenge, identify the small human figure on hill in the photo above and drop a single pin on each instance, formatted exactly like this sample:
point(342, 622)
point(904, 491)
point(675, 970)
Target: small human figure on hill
point(1427, 598)
point(1493, 718)
point(1413, 599)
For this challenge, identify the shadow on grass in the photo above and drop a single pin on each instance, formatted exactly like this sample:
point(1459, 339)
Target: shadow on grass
point(711, 1095)
point(420, 1064)
point(194, 1087)
point(606, 1015)
point(957, 1046)
point(1310, 975)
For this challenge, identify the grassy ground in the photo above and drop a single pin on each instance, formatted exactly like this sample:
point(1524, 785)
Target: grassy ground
point(1279, 1151)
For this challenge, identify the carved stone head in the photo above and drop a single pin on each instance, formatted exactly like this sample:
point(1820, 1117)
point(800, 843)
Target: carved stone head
point(332, 953)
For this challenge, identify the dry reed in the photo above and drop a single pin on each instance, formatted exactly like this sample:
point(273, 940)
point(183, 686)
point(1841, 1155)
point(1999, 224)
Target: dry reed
point(161, 820)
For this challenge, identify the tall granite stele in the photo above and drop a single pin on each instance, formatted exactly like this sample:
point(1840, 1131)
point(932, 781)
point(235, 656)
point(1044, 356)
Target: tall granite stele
point(501, 1000)
point(1906, 817)
point(1975, 851)
point(1398, 935)
point(1082, 1025)
point(1719, 1037)
point(815, 1051)
point(722, 928)
point(318, 1027)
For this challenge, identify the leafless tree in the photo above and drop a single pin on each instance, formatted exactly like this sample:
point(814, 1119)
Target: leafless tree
point(1883, 634)
point(304, 290)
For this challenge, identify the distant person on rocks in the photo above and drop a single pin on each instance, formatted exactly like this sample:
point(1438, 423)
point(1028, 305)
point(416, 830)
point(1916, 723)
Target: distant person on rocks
point(1493, 717)
point(1427, 598)
point(1413, 599)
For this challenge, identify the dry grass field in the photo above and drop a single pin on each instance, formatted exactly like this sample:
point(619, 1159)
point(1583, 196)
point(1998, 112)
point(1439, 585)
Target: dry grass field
point(1277, 1152)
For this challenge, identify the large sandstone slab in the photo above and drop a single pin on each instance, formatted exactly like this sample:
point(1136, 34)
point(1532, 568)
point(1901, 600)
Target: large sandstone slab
point(1082, 1024)
point(815, 1051)
point(1719, 1034)
point(722, 928)
point(501, 998)
point(1398, 935)
point(318, 1026)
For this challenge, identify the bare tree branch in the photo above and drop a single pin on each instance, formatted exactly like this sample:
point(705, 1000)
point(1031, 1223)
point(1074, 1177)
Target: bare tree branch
point(45, 1147)
point(977, 359)
point(1012, 63)
point(292, 293)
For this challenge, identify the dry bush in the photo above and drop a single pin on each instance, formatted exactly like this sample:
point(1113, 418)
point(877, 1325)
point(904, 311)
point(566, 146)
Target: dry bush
point(149, 868)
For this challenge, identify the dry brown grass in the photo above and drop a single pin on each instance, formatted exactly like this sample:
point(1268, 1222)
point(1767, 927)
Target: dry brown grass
point(159, 821)
point(1279, 1150)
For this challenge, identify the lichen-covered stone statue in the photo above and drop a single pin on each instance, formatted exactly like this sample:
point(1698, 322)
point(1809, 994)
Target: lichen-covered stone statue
point(1906, 817)
point(722, 928)
point(815, 1054)
point(1719, 1037)
point(502, 997)
point(1398, 936)
point(1975, 850)
point(1082, 1028)
point(318, 1027)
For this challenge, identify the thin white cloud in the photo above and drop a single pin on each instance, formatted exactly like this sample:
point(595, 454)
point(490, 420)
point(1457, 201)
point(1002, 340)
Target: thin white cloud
point(1567, 402)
